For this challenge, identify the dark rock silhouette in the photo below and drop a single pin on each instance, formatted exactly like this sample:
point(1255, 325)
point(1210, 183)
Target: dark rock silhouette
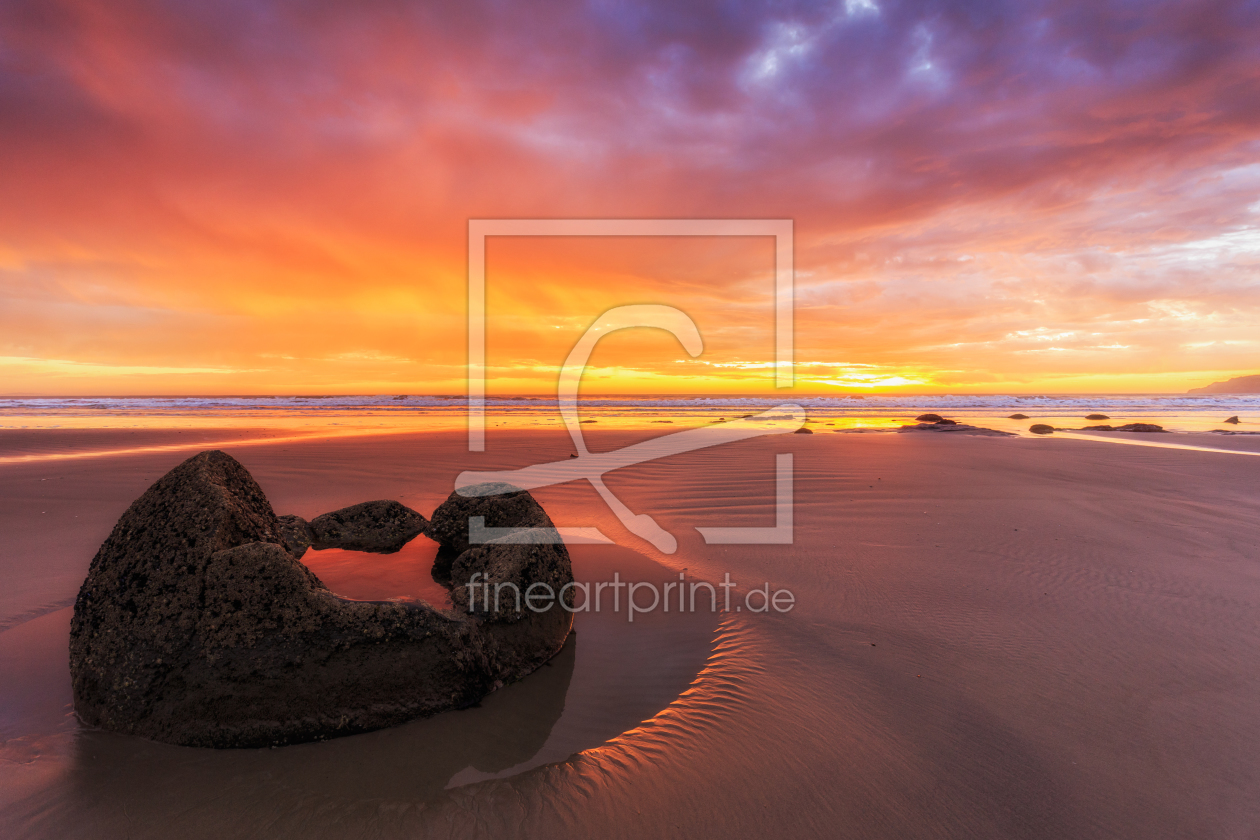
point(197, 626)
point(803, 431)
point(1041, 429)
point(382, 526)
point(1139, 427)
point(950, 426)
point(1018, 417)
point(1101, 428)
point(929, 418)
point(1097, 417)
point(1234, 420)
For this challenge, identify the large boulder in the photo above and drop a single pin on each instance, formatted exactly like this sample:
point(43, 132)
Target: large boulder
point(500, 505)
point(382, 527)
point(494, 579)
point(197, 626)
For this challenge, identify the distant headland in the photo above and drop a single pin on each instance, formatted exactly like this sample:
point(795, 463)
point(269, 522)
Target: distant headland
point(1237, 385)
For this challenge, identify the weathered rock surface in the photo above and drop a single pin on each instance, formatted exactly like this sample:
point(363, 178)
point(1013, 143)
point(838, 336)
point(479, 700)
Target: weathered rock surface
point(1041, 429)
point(197, 626)
point(382, 527)
point(295, 533)
point(502, 506)
point(509, 566)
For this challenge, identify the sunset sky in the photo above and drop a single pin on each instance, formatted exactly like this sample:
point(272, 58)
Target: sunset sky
point(258, 197)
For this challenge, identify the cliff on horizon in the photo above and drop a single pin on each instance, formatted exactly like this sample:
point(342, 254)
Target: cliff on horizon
point(1237, 385)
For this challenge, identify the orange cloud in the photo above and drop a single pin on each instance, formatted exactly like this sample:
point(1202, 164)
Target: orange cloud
point(273, 197)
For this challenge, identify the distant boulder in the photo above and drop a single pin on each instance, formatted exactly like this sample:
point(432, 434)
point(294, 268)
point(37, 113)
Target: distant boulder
point(1018, 417)
point(1041, 429)
point(929, 418)
point(1097, 417)
point(1103, 428)
point(940, 428)
point(1234, 420)
point(803, 431)
point(382, 527)
point(1140, 427)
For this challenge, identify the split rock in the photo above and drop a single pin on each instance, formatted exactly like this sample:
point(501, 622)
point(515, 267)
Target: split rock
point(196, 626)
point(295, 533)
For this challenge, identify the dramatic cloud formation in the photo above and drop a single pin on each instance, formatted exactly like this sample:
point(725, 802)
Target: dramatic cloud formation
point(273, 196)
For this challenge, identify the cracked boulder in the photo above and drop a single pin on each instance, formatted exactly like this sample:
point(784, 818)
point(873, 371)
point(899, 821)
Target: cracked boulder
point(197, 625)
point(295, 533)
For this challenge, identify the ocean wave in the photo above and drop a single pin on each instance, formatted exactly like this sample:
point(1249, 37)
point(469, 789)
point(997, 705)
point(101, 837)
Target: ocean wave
point(847, 404)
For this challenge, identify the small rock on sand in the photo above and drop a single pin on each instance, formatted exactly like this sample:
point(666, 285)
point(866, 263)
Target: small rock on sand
point(1041, 429)
point(1018, 417)
point(929, 418)
point(1234, 420)
point(803, 431)
point(1097, 417)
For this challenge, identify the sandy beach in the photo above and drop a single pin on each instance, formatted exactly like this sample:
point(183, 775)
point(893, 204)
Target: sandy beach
point(991, 637)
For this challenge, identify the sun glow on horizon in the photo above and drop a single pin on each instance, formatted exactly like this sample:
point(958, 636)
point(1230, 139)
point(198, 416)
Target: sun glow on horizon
point(250, 205)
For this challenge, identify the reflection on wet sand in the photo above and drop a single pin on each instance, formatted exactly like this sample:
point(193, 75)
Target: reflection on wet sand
point(413, 762)
point(59, 779)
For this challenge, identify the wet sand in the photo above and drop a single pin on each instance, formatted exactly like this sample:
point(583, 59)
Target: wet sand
point(992, 638)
